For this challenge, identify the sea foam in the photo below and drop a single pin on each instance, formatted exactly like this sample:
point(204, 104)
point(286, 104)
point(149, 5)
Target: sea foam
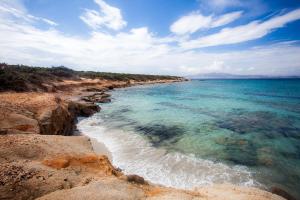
point(135, 155)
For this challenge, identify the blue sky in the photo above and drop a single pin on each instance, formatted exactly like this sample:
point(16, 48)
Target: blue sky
point(179, 37)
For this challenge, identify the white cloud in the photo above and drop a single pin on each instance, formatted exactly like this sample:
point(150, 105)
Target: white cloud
point(226, 19)
point(138, 51)
point(15, 9)
point(243, 33)
point(195, 21)
point(108, 16)
point(190, 23)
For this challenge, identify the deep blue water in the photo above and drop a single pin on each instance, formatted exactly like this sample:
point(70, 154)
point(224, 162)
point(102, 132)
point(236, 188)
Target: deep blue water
point(194, 133)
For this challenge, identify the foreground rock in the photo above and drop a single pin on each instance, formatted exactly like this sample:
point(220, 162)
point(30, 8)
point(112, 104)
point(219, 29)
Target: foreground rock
point(66, 167)
point(34, 165)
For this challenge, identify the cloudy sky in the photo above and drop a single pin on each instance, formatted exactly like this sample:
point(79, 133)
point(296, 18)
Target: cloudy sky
point(178, 37)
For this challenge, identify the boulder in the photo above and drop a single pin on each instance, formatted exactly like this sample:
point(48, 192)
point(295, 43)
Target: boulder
point(104, 100)
point(57, 121)
point(97, 98)
point(136, 179)
point(83, 109)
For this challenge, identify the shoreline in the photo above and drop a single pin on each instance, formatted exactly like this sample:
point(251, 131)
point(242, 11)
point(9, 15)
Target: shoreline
point(98, 146)
point(51, 161)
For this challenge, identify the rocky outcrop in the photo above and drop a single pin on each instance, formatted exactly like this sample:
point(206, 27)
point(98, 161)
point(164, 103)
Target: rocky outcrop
point(62, 119)
point(99, 97)
point(57, 121)
point(41, 113)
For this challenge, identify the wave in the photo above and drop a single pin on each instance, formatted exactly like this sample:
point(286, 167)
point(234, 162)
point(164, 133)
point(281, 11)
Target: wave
point(134, 155)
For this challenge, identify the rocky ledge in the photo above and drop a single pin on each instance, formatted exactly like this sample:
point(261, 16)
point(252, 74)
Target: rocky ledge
point(40, 159)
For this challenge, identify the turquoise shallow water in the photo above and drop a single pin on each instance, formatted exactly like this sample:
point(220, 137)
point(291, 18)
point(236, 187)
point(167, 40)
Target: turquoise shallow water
point(189, 134)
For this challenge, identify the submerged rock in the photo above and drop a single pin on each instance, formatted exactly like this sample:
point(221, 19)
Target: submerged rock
point(283, 193)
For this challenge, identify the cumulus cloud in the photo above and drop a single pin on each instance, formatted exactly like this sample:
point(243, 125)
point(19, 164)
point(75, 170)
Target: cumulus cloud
point(138, 51)
point(108, 16)
point(195, 21)
point(243, 33)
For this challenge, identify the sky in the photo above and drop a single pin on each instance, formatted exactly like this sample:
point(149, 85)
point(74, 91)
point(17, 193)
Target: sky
point(176, 37)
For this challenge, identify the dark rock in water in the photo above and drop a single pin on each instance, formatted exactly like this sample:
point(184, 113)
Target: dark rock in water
point(159, 133)
point(266, 123)
point(136, 179)
point(283, 193)
point(241, 152)
point(104, 100)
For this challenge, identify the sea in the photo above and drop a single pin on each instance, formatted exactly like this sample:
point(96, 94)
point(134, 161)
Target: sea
point(204, 132)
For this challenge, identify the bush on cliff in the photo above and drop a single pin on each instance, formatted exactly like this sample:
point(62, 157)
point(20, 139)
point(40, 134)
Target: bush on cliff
point(20, 77)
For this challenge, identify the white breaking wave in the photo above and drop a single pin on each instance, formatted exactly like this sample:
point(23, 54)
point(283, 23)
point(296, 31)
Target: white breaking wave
point(135, 155)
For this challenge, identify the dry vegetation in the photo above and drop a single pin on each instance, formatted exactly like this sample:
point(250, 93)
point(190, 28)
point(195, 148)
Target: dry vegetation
point(22, 78)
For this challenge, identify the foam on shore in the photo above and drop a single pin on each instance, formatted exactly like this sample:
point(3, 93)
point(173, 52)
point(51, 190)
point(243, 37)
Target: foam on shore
point(100, 148)
point(135, 155)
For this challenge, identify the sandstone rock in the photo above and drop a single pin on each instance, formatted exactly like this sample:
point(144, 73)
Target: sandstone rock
point(97, 98)
point(87, 109)
point(83, 109)
point(105, 189)
point(23, 175)
point(57, 121)
point(93, 89)
point(14, 123)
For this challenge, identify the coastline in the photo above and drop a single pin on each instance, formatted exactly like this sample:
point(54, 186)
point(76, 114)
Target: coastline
point(62, 155)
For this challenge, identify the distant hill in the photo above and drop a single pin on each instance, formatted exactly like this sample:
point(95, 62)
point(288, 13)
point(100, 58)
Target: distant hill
point(234, 76)
point(20, 77)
